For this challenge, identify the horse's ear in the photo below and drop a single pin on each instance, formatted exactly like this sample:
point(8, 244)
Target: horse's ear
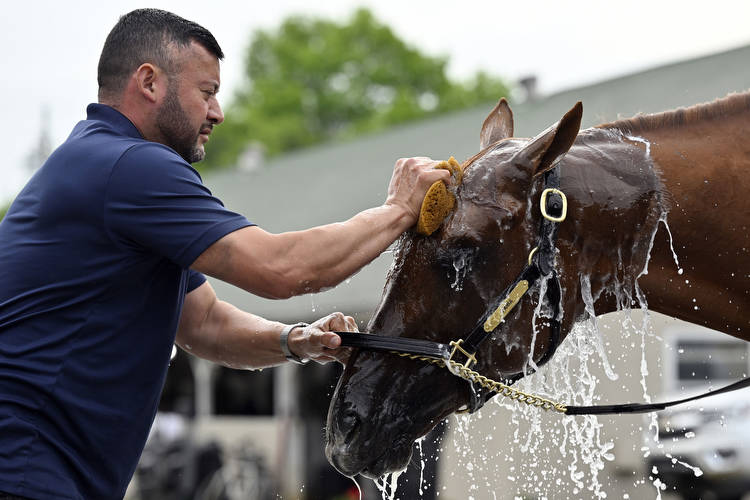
point(498, 125)
point(544, 150)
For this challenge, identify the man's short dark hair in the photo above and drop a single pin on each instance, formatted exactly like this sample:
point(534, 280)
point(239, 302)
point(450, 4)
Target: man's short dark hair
point(143, 36)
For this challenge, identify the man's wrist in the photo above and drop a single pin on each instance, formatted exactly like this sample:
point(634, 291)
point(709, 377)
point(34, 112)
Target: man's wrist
point(402, 218)
point(284, 343)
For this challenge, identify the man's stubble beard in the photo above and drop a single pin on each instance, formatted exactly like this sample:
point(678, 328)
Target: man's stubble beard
point(176, 129)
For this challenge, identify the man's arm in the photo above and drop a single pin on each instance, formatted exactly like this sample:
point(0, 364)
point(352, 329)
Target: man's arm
point(298, 262)
point(218, 331)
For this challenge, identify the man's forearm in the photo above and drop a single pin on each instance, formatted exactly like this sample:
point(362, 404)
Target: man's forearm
point(287, 264)
point(233, 338)
point(324, 256)
point(215, 330)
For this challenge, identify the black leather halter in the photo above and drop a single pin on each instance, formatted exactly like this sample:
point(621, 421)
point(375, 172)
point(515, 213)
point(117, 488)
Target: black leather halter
point(541, 265)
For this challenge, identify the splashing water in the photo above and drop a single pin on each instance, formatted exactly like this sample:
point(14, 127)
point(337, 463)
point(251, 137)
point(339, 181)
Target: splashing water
point(359, 488)
point(558, 454)
point(588, 300)
point(642, 141)
point(663, 219)
point(421, 465)
point(462, 266)
point(697, 472)
point(387, 485)
point(541, 311)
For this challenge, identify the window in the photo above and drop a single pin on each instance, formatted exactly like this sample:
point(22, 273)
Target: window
point(699, 362)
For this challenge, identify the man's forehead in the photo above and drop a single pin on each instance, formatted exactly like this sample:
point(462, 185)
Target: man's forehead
point(195, 57)
point(193, 50)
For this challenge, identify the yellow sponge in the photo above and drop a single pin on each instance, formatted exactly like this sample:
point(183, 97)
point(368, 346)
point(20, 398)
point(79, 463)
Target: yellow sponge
point(438, 202)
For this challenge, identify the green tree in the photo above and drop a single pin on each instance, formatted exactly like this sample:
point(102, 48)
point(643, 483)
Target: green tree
point(314, 80)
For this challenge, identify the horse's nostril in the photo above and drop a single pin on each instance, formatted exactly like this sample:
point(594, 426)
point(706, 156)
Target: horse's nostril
point(349, 424)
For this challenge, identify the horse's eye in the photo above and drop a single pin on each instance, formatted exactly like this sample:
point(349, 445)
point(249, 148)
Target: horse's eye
point(455, 257)
point(443, 257)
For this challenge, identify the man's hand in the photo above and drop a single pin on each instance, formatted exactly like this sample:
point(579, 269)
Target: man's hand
point(411, 179)
point(316, 341)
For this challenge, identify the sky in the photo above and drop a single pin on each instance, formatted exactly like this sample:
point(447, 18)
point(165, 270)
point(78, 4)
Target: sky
point(51, 48)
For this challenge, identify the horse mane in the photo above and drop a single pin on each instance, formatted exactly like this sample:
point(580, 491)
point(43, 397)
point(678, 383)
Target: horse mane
point(732, 104)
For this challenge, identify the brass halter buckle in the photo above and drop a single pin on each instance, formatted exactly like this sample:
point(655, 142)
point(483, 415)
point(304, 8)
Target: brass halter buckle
point(543, 205)
point(470, 358)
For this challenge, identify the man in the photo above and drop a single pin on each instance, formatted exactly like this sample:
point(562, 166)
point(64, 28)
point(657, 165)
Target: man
point(102, 263)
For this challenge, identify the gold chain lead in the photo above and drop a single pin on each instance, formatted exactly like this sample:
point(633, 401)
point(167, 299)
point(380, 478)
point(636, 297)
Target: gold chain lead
point(470, 375)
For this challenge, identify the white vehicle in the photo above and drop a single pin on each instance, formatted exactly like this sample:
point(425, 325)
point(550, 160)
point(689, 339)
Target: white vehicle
point(703, 447)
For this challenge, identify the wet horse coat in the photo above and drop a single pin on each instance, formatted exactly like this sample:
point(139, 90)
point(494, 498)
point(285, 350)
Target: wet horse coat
point(626, 183)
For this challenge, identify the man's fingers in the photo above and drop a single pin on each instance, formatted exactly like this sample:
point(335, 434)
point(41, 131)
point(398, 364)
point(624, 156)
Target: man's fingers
point(351, 324)
point(331, 340)
point(324, 346)
point(333, 321)
point(437, 174)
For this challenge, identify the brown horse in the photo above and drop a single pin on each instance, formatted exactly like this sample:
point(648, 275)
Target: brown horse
point(658, 215)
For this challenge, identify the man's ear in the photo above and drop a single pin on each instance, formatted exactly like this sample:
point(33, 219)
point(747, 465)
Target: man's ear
point(148, 79)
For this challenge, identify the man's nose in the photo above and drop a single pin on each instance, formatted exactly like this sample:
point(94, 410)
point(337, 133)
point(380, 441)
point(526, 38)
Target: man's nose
point(215, 114)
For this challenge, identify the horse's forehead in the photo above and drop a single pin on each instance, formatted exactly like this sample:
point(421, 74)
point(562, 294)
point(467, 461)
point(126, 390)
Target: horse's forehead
point(486, 167)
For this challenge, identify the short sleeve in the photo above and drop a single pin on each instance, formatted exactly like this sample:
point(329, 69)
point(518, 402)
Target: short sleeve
point(156, 201)
point(195, 279)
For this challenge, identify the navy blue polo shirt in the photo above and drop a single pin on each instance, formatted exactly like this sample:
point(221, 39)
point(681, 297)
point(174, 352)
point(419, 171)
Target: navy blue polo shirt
point(94, 267)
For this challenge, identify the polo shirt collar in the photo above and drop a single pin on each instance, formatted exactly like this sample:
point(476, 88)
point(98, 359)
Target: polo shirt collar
point(109, 115)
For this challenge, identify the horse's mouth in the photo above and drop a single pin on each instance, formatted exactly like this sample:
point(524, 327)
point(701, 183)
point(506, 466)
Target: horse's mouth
point(351, 462)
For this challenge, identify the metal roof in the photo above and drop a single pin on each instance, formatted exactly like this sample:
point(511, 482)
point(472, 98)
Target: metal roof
point(332, 182)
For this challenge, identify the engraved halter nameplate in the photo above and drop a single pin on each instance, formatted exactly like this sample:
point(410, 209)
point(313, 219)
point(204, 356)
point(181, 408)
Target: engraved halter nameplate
point(506, 305)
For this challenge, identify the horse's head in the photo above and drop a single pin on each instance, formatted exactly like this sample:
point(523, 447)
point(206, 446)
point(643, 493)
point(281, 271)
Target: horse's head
point(439, 288)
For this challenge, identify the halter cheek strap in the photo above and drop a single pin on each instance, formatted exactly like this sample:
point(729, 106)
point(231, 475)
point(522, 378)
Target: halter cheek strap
point(541, 264)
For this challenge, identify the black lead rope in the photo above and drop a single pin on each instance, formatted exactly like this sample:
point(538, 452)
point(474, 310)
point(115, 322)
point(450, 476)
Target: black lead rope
point(649, 407)
point(416, 347)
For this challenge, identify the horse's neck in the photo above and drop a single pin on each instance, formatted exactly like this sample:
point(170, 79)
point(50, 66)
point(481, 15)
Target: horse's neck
point(705, 167)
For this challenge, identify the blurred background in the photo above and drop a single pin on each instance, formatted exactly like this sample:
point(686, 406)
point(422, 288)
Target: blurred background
point(320, 99)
